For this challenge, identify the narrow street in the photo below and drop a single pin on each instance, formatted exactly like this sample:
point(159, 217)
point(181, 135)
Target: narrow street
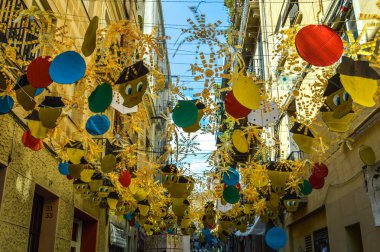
point(189, 126)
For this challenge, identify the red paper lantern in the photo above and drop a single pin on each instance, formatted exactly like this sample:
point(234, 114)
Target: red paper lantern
point(69, 177)
point(132, 222)
point(320, 170)
point(238, 186)
point(38, 72)
point(29, 141)
point(211, 226)
point(316, 183)
point(234, 108)
point(319, 45)
point(125, 178)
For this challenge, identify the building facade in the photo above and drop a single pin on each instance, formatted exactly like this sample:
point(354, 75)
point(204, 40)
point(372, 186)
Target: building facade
point(343, 215)
point(39, 209)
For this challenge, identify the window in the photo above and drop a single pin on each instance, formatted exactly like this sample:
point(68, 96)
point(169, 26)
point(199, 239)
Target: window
point(35, 223)
point(354, 238)
point(76, 235)
point(321, 240)
point(308, 244)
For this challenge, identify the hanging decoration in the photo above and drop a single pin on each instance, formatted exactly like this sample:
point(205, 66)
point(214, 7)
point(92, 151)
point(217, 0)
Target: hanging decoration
point(234, 108)
point(319, 45)
point(89, 42)
point(38, 72)
point(100, 98)
point(246, 176)
point(133, 84)
point(337, 111)
point(67, 68)
point(6, 104)
point(359, 80)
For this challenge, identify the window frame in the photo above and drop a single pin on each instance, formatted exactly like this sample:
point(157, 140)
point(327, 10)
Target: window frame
point(77, 244)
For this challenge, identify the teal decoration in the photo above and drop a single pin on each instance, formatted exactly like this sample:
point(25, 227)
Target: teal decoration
point(98, 125)
point(128, 216)
point(231, 194)
point(100, 98)
point(231, 177)
point(137, 225)
point(63, 168)
point(67, 68)
point(305, 187)
point(6, 104)
point(185, 114)
point(276, 238)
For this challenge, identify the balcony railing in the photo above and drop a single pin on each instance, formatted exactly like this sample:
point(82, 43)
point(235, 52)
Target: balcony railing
point(17, 32)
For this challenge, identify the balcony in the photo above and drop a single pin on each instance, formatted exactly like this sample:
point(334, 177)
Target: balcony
point(19, 33)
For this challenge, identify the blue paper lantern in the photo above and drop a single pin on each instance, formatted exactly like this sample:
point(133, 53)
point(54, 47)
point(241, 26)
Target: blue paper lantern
point(6, 104)
point(39, 91)
point(98, 125)
point(67, 68)
point(231, 177)
point(206, 231)
point(63, 168)
point(128, 216)
point(170, 230)
point(276, 238)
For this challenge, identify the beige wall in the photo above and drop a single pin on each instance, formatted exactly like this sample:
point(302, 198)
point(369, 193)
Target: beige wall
point(26, 169)
point(344, 198)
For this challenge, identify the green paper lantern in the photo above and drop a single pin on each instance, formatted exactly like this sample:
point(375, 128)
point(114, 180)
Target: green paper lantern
point(185, 114)
point(305, 187)
point(100, 98)
point(231, 194)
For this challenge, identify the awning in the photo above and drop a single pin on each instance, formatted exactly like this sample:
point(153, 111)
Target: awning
point(117, 236)
point(257, 228)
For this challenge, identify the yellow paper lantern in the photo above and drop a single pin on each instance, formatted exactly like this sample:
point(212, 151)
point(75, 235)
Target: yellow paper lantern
point(240, 141)
point(247, 92)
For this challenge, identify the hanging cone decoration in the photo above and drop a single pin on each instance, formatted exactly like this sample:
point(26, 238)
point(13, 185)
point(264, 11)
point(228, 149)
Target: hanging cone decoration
point(36, 128)
point(359, 80)
point(50, 111)
point(25, 93)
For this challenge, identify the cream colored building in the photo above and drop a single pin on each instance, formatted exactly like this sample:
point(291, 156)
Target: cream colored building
point(340, 215)
point(39, 210)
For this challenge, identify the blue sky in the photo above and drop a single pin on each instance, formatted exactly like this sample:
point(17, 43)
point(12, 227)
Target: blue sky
point(175, 16)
